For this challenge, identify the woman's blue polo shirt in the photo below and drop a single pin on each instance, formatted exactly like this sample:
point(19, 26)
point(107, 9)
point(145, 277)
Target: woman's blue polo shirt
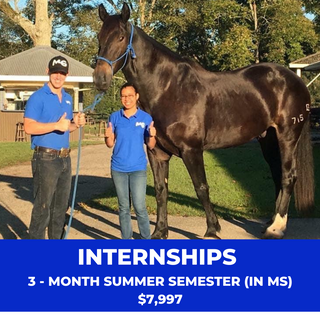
point(128, 152)
point(44, 106)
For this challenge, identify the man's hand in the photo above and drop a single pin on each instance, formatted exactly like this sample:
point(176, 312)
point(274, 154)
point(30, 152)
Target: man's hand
point(63, 124)
point(79, 119)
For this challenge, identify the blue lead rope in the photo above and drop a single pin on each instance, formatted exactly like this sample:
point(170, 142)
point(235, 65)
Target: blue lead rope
point(97, 99)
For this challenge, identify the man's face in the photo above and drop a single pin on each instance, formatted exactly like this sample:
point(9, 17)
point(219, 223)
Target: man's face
point(57, 79)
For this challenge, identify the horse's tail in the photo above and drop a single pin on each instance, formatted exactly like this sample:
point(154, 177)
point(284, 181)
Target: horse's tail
point(304, 187)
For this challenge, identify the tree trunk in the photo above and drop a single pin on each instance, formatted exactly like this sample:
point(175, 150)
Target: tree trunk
point(253, 7)
point(41, 31)
point(43, 25)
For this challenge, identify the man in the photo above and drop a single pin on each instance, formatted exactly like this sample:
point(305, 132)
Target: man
point(49, 119)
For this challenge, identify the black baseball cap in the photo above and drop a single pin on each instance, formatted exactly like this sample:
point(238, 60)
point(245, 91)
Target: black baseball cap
point(58, 64)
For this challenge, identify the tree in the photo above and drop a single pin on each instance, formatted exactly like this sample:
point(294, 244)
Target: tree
point(227, 34)
point(286, 34)
point(219, 34)
point(249, 31)
point(79, 35)
point(42, 19)
point(13, 39)
point(39, 30)
point(233, 39)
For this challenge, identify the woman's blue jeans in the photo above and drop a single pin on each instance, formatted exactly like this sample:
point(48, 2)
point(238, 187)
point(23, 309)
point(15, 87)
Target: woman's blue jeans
point(51, 189)
point(134, 184)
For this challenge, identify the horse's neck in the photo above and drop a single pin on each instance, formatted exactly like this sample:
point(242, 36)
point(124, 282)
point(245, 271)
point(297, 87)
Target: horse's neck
point(156, 68)
point(144, 71)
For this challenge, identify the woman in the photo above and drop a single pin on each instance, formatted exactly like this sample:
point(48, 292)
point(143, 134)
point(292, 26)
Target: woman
point(128, 130)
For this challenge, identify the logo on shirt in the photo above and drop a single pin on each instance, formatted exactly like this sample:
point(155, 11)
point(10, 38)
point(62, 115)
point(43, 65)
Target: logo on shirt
point(140, 124)
point(68, 102)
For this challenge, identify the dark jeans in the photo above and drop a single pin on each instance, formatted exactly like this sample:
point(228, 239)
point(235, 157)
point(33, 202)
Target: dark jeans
point(51, 190)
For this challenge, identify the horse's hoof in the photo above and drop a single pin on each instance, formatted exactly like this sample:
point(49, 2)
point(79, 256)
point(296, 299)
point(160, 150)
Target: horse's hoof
point(159, 235)
point(273, 234)
point(277, 229)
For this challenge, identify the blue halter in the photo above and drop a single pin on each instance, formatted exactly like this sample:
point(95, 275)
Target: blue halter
point(128, 50)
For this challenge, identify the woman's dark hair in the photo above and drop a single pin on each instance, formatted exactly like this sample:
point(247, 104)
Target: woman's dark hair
point(128, 85)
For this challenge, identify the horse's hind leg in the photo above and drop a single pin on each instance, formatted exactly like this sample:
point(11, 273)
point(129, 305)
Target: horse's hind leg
point(270, 150)
point(284, 179)
point(193, 160)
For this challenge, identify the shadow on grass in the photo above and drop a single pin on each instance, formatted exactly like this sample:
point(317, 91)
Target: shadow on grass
point(247, 166)
point(106, 203)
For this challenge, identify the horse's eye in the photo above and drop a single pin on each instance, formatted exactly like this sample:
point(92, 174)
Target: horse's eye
point(121, 38)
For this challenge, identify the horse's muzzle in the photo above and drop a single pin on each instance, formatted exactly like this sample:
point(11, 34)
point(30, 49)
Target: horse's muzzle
point(102, 80)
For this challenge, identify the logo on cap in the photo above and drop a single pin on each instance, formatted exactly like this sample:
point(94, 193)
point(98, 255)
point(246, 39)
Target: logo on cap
point(62, 62)
point(58, 64)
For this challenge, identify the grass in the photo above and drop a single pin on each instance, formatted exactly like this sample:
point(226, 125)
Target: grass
point(13, 153)
point(240, 186)
point(239, 179)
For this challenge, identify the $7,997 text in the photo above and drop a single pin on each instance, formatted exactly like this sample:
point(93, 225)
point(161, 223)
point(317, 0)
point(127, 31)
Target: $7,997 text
point(160, 299)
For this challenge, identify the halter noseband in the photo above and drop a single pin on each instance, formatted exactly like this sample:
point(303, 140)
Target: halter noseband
point(129, 49)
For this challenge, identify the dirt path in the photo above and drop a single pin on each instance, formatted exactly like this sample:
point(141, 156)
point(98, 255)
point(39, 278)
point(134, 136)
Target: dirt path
point(90, 223)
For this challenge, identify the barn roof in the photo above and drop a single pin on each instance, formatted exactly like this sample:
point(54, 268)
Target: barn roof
point(34, 62)
point(308, 63)
point(312, 58)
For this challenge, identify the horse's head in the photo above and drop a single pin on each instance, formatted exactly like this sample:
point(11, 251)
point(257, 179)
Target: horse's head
point(114, 41)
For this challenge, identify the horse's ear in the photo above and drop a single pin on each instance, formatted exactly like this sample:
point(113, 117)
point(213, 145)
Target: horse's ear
point(103, 14)
point(125, 12)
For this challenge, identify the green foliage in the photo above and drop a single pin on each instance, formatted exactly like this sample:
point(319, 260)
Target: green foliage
point(237, 50)
point(219, 34)
point(286, 34)
point(13, 38)
point(79, 36)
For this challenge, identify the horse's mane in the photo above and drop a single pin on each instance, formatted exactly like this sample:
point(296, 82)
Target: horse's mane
point(165, 50)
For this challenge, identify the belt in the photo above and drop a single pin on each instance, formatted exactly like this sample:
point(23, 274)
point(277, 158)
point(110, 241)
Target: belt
point(62, 153)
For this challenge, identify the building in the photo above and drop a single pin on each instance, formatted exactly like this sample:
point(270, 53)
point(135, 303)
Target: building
point(308, 63)
point(24, 73)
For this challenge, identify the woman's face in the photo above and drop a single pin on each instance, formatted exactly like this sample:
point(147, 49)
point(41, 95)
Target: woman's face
point(129, 97)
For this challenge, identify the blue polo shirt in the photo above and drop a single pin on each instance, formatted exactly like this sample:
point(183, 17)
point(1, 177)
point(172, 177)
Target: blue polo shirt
point(44, 106)
point(128, 152)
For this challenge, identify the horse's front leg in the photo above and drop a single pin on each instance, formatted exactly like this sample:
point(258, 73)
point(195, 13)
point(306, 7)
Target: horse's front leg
point(193, 159)
point(159, 162)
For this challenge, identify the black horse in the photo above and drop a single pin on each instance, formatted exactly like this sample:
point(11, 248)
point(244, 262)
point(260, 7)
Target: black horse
point(196, 110)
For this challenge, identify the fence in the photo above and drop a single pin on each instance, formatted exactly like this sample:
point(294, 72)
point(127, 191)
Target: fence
point(11, 128)
point(96, 124)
